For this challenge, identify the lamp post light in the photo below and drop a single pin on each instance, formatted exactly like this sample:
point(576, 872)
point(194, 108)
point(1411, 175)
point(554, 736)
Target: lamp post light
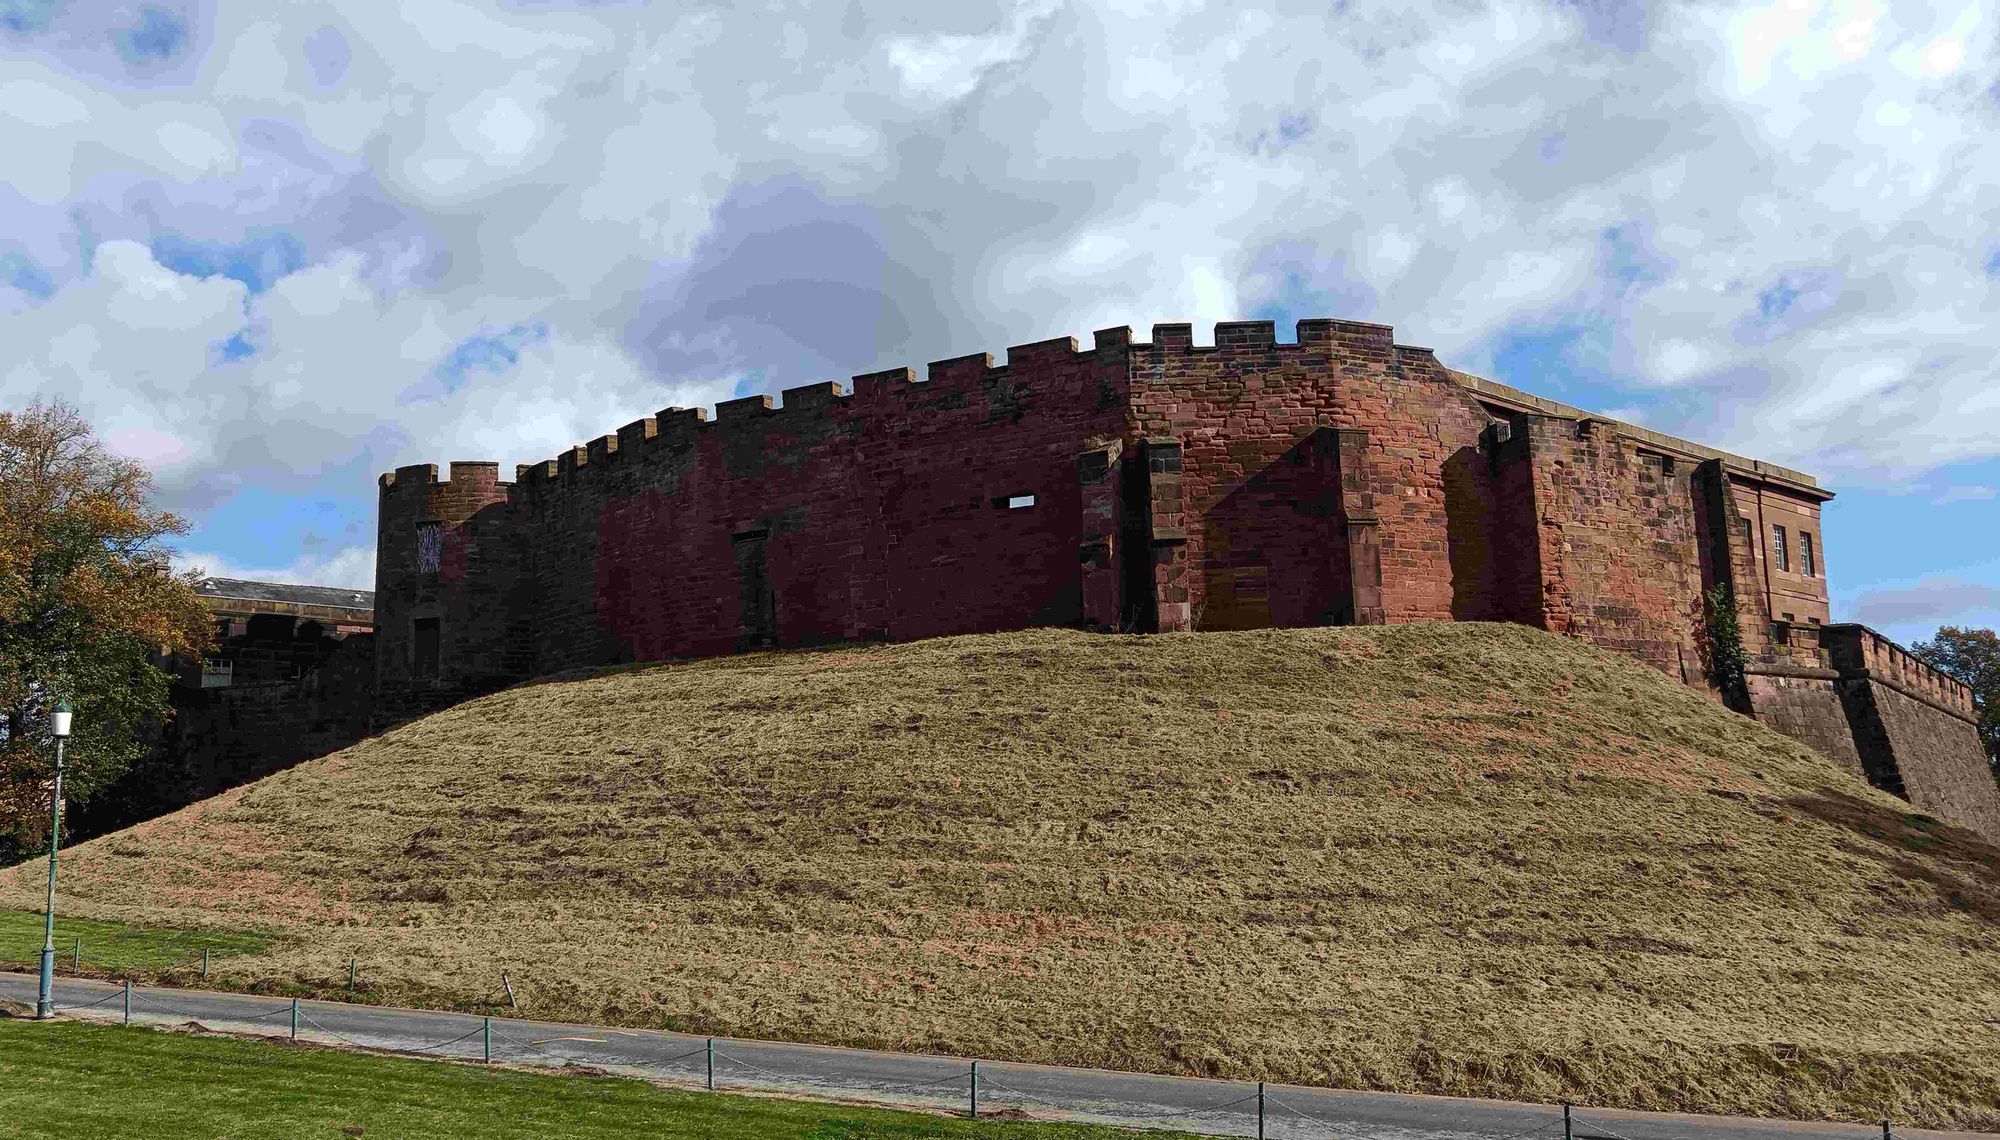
point(45, 1002)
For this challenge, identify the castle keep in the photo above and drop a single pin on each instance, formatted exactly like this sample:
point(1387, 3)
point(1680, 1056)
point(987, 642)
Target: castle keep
point(1152, 486)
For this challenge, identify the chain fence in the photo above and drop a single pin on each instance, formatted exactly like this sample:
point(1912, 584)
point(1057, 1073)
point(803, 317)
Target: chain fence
point(968, 1088)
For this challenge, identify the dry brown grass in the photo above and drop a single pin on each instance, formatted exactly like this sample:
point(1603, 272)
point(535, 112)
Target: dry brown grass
point(1465, 859)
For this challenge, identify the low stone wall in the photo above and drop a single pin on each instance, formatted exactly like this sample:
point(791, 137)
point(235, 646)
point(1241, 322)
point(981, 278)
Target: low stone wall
point(1934, 753)
point(1879, 711)
point(218, 738)
point(1805, 704)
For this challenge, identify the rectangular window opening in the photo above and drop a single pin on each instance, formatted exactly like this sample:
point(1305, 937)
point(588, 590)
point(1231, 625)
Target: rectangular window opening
point(1807, 562)
point(1779, 554)
point(1016, 502)
point(430, 547)
point(424, 647)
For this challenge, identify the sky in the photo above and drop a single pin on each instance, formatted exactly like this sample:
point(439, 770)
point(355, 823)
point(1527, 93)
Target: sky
point(275, 249)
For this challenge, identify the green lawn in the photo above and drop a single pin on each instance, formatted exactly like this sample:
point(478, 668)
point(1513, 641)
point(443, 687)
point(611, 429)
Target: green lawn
point(69, 1078)
point(109, 946)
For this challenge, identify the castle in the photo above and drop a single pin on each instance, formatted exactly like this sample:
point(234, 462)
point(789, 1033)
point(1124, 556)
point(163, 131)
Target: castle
point(1154, 486)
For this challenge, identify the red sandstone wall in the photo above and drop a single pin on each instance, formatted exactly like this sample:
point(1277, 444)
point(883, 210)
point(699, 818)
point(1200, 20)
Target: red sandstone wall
point(1619, 544)
point(880, 514)
point(1260, 494)
point(1788, 590)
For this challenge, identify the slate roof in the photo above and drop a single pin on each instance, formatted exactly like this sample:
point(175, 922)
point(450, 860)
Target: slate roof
point(286, 592)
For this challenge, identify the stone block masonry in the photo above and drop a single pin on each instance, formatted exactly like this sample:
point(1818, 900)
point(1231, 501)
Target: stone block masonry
point(1916, 730)
point(1135, 485)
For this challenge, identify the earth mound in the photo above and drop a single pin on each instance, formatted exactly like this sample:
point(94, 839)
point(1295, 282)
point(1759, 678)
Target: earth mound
point(1464, 859)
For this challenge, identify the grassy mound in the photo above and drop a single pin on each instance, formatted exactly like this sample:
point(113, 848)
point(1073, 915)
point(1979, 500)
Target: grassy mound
point(1466, 859)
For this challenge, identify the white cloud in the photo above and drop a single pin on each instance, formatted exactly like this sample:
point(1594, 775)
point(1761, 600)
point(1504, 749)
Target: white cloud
point(352, 566)
point(1930, 601)
point(945, 66)
point(1967, 494)
point(685, 199)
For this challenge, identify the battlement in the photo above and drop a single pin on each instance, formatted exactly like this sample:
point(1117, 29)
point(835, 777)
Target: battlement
point(466, 475)
point(1856, 650)
point(874, 396)
point(1262, 336)
point(949, 384)
point(893, 391)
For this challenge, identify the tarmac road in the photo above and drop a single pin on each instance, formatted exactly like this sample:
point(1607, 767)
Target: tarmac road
point(1219, 1108)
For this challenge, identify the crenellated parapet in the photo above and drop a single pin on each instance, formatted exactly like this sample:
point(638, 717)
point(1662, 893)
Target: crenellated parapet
point(885, 404)
point(467, 477)
point(1858, 652)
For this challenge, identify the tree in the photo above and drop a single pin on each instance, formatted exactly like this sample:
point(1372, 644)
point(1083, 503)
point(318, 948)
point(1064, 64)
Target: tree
point(1973, 657)
point(89, 603)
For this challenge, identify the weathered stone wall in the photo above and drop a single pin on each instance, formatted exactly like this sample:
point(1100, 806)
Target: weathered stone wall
point(903, 510)
point(1805, 704)
point(470, 586)
point(1288, 449)
point(296, 693)
point(1916, 730)
point(1935, 755)
point(1620, 554)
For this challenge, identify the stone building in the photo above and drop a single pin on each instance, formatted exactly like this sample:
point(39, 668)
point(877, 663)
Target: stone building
point(1152, 486)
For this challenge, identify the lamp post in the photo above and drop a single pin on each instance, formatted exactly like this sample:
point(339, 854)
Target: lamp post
point(45, 1002)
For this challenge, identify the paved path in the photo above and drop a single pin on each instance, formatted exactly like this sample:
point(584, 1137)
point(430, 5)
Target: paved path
point(1219, 1108)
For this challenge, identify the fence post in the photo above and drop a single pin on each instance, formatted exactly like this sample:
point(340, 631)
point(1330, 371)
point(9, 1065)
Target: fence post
point(76, 956)
point(1260, 1110)
point(975, 1090)
point(1567, 1135)
point(204, 963)
point(351, 970)
point(128, 1001)
point(486, 1041)
point(711, 1064)
point(509, 987)
point(1885, 1131)
point(295, 1019)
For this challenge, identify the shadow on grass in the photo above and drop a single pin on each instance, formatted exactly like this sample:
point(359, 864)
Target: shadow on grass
point(1895, 836)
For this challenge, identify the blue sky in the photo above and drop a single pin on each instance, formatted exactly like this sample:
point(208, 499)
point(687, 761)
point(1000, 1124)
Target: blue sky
point(275, 250)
